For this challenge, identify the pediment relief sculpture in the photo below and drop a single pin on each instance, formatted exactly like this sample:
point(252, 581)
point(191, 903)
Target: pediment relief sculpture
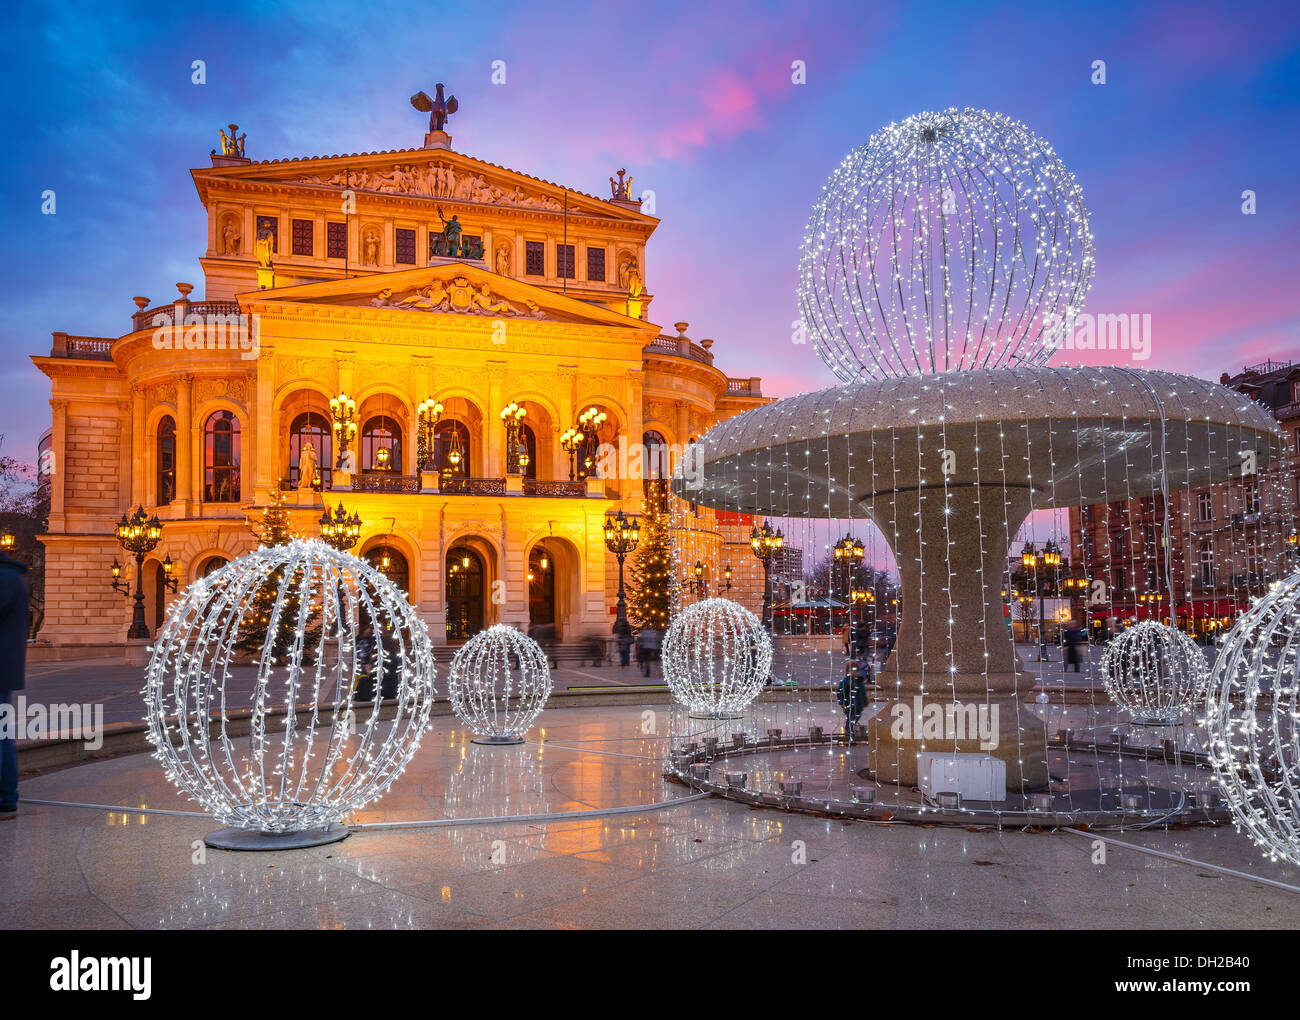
point(459, 296)
point(440, 181)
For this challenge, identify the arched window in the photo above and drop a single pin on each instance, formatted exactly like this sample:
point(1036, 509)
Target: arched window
point(392, 564)
point(311, 427)
point(213, 565)
point(221, 458)
point(166, 447)
point(529, 439)
point(451, 447)
point(654, 463)
point(381, 444)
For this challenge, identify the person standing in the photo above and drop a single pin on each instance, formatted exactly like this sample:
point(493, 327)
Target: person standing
point(623, 638)
point(852, 696)
point(1073, 643)
point(13, 668)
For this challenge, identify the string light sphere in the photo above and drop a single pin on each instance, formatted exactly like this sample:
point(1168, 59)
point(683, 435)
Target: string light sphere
point(498, 684)
point(297, 749)
point(950, 240)
point(1156, 672)
point(716, 657)
point(1253, 718)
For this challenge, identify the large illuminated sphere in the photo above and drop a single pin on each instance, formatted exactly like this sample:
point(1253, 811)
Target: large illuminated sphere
point(951, 240)
point(716, 657)
point(1253, 718)
point(1155, 671)
point(498, 684)
point(291, 747)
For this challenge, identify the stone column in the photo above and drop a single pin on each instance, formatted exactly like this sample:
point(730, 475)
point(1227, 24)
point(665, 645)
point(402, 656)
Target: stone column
point(59, 449)
point(566, 395)
point(952, 554)
point(494, 461)
point(139, 449)
point(630, 483)
point(187, 435)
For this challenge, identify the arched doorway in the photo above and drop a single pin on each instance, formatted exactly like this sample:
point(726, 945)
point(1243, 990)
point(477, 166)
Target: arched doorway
point(465, 576)
point(392, 564)
point(541, 592)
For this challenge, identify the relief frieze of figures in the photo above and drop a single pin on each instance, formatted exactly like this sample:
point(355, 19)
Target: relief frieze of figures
point(433, 182)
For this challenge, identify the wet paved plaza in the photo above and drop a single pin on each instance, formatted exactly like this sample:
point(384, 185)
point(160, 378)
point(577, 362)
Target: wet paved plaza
point(628, 849)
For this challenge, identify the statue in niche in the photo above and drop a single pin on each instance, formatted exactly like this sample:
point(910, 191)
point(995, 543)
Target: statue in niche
point(230, 237)
point(307, 467)
point(632, 277)
point(370, 248)
point(503, 260)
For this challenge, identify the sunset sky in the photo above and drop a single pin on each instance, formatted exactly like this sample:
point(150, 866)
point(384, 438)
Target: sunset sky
point(696, 101)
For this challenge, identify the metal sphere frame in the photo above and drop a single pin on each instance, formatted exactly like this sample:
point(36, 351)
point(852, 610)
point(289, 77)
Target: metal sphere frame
point(284, 764)
point(1155, 672)
point(950, 240)
point(717, 656)
point(498, 684)
point(1253, 719)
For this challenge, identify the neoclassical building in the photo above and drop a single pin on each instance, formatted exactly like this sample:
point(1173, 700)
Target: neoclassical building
point(395, 280)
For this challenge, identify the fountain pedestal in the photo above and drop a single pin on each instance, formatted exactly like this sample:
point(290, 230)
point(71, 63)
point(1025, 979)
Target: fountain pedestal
point(954, 687)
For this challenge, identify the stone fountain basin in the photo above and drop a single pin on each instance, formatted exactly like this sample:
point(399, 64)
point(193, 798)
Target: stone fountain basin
point(1068, 435)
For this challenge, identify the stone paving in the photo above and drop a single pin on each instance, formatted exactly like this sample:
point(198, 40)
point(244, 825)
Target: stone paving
point(672, 862)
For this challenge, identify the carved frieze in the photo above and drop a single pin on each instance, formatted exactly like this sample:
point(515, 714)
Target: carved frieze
point(436, 181)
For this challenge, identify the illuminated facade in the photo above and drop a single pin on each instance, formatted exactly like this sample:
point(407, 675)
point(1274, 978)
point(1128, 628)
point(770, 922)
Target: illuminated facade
point(434, 290)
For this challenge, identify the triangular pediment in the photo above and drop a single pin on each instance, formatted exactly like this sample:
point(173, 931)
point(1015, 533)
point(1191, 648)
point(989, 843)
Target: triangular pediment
point(440, 175)
point(448, 287)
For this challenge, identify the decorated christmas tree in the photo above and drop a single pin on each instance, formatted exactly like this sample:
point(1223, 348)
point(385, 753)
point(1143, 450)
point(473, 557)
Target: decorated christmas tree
point(650, 590)
point(275, 530)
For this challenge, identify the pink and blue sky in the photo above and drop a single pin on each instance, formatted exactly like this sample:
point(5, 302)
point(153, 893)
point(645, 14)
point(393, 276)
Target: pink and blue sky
point(696, 100)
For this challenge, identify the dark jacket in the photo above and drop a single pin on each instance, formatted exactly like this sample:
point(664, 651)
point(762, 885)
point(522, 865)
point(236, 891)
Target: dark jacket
point(13, 624)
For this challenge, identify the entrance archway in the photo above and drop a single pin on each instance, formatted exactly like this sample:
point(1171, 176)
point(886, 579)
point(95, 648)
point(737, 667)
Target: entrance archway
point(466, 591)
point(541, 592)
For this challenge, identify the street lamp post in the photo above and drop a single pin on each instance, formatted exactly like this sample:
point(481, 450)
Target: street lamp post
point(849, 551)
point(138, 534)
point(513, 415)
point(765, 544)
point(340, 531)
point(343, 412)
point(621, 536)
point(430, 412)
point(1048, 559)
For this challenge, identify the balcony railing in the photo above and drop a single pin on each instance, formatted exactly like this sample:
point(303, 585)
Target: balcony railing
point(745, 387)
point(204, 309)
point(93, 348)
point(680, 347)
point(472, 486)
point(383, 482)
point(542, 487)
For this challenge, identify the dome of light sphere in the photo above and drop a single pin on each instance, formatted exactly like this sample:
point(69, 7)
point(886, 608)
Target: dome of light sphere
point(295, 747)
point(1253, 719)
point(716, 657)
point(498, 683)
point(1155, 671)
point(950, 240)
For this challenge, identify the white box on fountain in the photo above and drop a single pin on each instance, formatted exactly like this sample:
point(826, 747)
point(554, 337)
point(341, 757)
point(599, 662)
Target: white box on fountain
point(974, 776)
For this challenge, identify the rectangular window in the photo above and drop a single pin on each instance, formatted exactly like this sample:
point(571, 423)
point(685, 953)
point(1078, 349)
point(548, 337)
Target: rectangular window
point(564, 261)
point(269, 225)
point(302, 237)
point(471, 243)
point(596, 264)
point(1251, 496)
point(1205, 506)
point(1207, 563)
point(336, 240)
point(404, 241)
point(534, 258)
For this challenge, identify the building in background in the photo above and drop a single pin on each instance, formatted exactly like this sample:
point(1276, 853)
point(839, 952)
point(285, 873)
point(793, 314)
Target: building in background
point(435, 290)
point(1220, 545)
